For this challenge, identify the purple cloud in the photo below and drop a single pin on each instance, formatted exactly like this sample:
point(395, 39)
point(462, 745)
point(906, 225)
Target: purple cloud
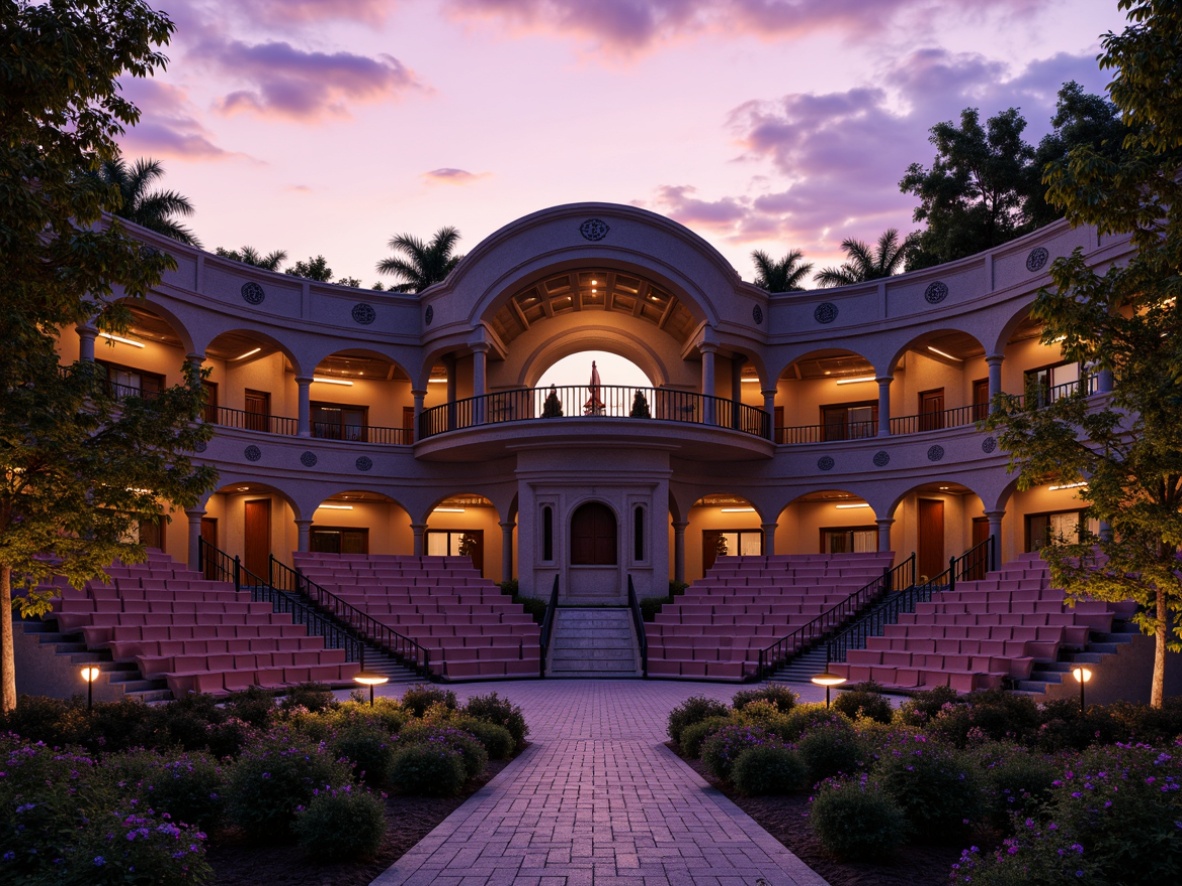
point(451, 176)
point(284, 13)
point(167, 127)
point(681, 204)
point(289, 82)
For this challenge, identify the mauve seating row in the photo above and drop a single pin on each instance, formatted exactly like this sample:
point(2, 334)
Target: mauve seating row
point(196, 634)
point(1017, 643)
point(470, 629)
point(1017, 667)
point(716, 629)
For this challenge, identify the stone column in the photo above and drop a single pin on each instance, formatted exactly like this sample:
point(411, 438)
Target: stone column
point(1104, 381)
point(769, 406)
point(708, 352)
point(418, 530)
point(994, 518)
point(303, 535)
point(418, 428)
point(769, 538)
point(884, 532)
point(679, 552)
point(479, 363)
point(304, 410)
point(195, 515)
point(884, 405)
point(737, 390)
point(86, 337)
point(507, 550)
point(994, 363)
point(449, 362)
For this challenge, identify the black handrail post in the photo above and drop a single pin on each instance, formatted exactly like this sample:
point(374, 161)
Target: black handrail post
point(237, 573)
point(638, 622)
point(951, 574)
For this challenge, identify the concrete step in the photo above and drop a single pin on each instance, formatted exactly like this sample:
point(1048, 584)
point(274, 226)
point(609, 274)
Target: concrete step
point(593, 643)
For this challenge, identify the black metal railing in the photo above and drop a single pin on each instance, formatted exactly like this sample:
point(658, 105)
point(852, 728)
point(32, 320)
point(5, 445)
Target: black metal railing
point(638, 624)
point(255, 421)
point(808, 635)
point(548, 627)
point(956, 417)
point(327, 430)
point(874, 622)
point(833, 431)
point(611, 401)
point(220, 566)
point(376, 633)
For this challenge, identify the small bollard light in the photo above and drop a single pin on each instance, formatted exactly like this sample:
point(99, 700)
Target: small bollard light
point(827, 679)
point(1082, 676)
point(90, 673)
point(370, 679)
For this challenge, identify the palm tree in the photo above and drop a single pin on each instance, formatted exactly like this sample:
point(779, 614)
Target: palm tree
point(780, 276)
point(248, 255)
point(154, 210)
point(865, 265)
point(421, 264)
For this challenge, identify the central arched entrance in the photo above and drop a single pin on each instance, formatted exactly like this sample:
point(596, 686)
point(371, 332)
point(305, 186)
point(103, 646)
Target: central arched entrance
point(593, 535)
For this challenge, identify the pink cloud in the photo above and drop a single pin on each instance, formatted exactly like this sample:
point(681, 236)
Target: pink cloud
point(452, 176)
point(168, 126)
point(289, 82)
point(283, 13)
point(680, 203)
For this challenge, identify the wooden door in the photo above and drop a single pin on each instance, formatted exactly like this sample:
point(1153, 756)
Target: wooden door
point(258, 411)
point(593, 536)
point(980, 399)
point(931, 537)
point(408, 424)
point(980, 565)
point(931, 410)
point(257, 548)
point(209, 534)
point(779, 420)
point(209, 412)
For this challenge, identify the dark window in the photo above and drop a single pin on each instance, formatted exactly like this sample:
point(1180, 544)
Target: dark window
point(547, 534)
point(730, 542)
point(457, 543)
point(1047, 384)
point(849, 540)
point(638, 533)
point(123, 381)
point(330, 540)
point(334, 421)
point(593, 536)
point(1060, 527)
point(849, 421)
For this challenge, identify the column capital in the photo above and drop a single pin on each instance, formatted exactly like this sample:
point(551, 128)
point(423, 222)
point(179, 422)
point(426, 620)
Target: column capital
point(994, 359)
point(303, 379)
point(708, 347)
point(195, 512)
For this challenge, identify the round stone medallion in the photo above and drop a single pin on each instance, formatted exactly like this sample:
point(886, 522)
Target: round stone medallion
point(364, 314)
point(1037, 259)
point(252, 453)
point(988, 445)
point(935, 293)
point(882, 458)
point(826, 312)
point(594, 229)
point(364, 463)
point(935, 453)
point(308, 459)
point(757, 315)
point(825, 463)
point(429, 315)
point(252, 293)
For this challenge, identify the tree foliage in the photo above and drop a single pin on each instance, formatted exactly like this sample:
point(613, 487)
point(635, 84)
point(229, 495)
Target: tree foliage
point(78, 467)
point(885, 260)
point(248, 255)
point(784, 275)
point(421, 264)
point(1122, 319)
point(154, 210)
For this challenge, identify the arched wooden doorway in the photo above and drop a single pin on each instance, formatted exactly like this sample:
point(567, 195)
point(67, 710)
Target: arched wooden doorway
point(593, 535)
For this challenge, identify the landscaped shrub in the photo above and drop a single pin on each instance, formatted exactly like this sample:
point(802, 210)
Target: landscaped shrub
point(133, 845)
point(1140, 723)
point(341, 823)
point(427, 770)
point(502, 712)
point(1016, 781)
point(761, 712)
point(190, 786)
point(277, 774)
point(864, 701)
point(938, 789)
point(721, 749)
point(856, 820)
point(188, 723)
point(693, 710)
point(806, 717)
point(116, 726)
point(1002, 715)
point(384, 712)
point(368, 746)
point(922, 707)
point(471, 751)
point(781, 696)
point(421, 696)
point(693, 736)
point(496, 739)
point(255, 706)
point(228, 737)
point(38, 718)
point(1036, 855)
point(768, 770)
point(832, 749)
point(314, 697)
point(651, 606)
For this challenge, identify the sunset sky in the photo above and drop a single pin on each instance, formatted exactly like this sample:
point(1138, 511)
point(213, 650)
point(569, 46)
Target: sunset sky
point(328, 126)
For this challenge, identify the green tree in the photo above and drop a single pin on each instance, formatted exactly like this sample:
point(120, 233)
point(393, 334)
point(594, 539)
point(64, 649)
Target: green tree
point(784, 275)
point(314, 269)
point(421, 264)
point(155, 210)
point(1122, 319)
point(248, 255)
point(78, 468)
point(885, 260)
point(974, 194)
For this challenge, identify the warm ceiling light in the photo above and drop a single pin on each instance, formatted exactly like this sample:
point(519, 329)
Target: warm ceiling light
point(594, 282)
point(333, 381)
point(750, 381)
point(856, 381)
point(244, 356)
point(335, 507)
point(944, 355)
point(747, 510)
point(1069, 486)
point(437, 381)
point(449, 511)
point(121, 340)
point(852, 506)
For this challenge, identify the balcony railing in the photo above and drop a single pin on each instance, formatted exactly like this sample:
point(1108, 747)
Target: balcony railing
point(613, 401)
point(256, 421)
point(362, 433)
point(290, 427)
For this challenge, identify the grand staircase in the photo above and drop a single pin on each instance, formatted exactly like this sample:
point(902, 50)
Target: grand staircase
point(593, 642)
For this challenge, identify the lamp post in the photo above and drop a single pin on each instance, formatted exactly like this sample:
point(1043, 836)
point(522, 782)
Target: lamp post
point(90, 673)
point(828, 679)
point(369, 678)
point(1082, 676)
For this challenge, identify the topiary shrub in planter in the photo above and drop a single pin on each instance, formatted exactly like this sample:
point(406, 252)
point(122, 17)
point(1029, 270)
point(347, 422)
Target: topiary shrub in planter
point(421, 696)
point(502, 712)
point(769, 770)
point(640, 406)
point(781, 696)
point(693, 736)
point(864, 701)
point(339, 824)
point(552, 406)
point(938, 789)
point(722, 749)
point(856, 820)
point(693, 710)
point(427, 771)
point(832, 749)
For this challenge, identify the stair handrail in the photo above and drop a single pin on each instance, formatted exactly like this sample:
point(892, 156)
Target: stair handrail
point(547, 628)
point(815, 630)
point(384, 637)
point(214, 562)
point(638, 624)
point(888, 612)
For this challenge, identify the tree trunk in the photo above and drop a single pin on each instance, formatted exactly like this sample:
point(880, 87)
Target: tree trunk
point(1161, 637)
point(7, 656)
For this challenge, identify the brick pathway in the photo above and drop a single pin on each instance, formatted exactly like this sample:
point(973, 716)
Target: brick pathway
point(598, 799)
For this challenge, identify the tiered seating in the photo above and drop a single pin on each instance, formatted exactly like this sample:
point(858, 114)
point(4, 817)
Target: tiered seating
point(716, 630)
point(197, 635)
point(982, 633)
point(470, 629)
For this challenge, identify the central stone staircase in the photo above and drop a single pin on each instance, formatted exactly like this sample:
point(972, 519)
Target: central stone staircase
point(598, 642)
